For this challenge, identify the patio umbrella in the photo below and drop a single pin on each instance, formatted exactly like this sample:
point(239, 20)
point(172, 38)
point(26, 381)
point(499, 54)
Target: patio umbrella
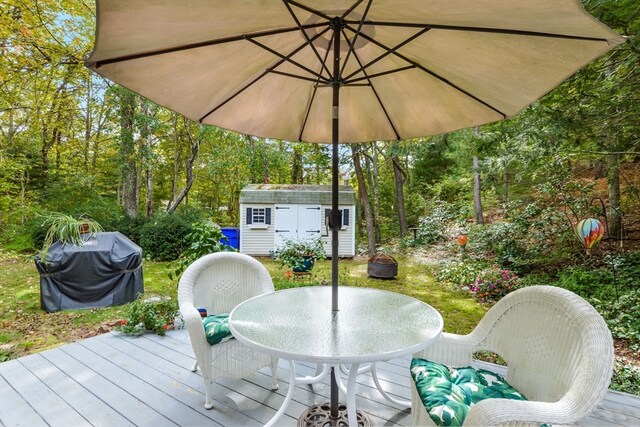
point(344, 71)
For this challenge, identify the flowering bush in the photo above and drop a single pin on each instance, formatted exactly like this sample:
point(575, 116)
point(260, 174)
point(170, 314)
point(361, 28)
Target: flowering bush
point(491, 285)
point(153, 314)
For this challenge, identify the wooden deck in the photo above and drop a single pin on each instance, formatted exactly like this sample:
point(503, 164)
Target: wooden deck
point(116, 380)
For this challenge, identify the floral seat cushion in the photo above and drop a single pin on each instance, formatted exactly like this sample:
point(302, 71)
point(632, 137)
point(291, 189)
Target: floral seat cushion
point(216, 328)
point(449, 393)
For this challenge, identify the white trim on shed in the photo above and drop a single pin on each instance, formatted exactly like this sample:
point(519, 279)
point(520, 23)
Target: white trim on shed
point(303, 207)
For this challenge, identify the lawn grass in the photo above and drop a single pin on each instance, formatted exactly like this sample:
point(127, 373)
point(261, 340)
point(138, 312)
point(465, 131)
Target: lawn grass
point(26, 329)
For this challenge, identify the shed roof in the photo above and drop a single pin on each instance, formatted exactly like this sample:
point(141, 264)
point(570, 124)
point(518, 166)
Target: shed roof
point(295, 194)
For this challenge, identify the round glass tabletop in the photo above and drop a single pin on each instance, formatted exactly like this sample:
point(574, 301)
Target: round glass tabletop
point(370, 325)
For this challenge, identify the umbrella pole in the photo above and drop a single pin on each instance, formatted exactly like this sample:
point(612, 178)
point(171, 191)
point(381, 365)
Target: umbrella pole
point(335, 217)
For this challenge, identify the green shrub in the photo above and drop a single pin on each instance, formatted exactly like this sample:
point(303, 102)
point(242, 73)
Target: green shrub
point(460, 272)
point(152, 314)
point(504, 239)
point(130, 227)
point(163, 238)
point(433, 227)
point(626, 378)
point(588, 283)
point(205, 238)
point(622, 317)
point(535, 279)
point(491, 285)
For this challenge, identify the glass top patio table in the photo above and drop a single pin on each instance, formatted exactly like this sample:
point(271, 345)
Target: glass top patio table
point(371, 325)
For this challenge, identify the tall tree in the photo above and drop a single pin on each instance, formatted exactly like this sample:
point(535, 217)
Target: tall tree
point(128, 155)
point(194, 137)
point(364, 199)
point(400, 176)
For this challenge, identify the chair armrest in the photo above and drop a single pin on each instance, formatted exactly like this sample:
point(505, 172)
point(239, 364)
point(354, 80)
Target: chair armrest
point(193, 321)
point(493, 412)
point(450, 349)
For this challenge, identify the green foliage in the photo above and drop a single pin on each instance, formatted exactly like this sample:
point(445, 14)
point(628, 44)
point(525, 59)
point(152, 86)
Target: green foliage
point(292, 253)
point(433, 227)
point(622, 317)
point(491, 285)
point(130, 226)
point(626, 378)
point(460, 273)
point(205, 238)
point(587, 282)
point(163, 238)
point(151, 314)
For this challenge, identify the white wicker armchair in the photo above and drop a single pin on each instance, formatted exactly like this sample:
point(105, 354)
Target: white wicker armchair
point(219, 282)
point(558, 350)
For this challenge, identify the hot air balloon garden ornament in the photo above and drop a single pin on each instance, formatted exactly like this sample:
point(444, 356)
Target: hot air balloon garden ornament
point(589, 231)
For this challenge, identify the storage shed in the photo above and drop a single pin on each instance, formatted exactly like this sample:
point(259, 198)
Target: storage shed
point(273, 213)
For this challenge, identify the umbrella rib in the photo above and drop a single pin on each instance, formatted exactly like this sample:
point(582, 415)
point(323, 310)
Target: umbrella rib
point(260, 76)
point(304, 34)
point(308, 9)
point(281, 56)
point(388, 51)
point(353, 7)
point(296, 76)
point(355, 37)
point(98, 64)
point(313, 94)
point(479, 30)
point(433, 74)
point(382, 73)
point(375, 92)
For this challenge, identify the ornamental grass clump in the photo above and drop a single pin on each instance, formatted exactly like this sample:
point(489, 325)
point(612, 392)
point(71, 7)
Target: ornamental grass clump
point(491, 285)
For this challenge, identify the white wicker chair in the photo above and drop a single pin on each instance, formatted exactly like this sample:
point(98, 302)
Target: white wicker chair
point(558, 350)
point(219, 282)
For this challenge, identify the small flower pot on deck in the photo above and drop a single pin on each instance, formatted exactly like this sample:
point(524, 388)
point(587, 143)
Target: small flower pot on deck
point(382, 266)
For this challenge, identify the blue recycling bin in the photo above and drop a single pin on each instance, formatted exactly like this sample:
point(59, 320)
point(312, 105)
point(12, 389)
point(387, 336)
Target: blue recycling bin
point(233, 234)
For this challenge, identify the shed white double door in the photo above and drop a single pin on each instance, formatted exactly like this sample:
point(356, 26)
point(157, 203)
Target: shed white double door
point(297, 222)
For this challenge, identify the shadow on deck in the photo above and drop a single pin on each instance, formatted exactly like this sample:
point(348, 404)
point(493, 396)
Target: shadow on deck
point(117, 380)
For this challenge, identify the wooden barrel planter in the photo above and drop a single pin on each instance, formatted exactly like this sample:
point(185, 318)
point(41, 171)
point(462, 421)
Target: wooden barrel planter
point(382, 266)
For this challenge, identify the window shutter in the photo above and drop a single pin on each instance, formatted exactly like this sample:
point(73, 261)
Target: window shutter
point(249, 216)
point(345, 217)
point(267, 216)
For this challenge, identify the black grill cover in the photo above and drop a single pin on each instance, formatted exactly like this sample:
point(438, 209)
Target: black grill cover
point(106, 270)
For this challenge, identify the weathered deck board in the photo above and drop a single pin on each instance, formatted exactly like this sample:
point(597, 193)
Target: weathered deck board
point(116, 380)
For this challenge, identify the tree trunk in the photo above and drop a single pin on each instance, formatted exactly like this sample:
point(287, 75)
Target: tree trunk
point(505, 185)
point(297, 170)
point(477, 200)
point(400, 177)
point(615, 215)
point(51, 129)
point(176, 159)
point(195, 150)
point(371, 163)
point(88, 123)
point(148, 159)
point(128, 153)
point(364, 199)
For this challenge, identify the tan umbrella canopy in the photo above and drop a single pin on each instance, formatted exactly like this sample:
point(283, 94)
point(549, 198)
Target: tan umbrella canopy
point(344, 71)
point(418, 68)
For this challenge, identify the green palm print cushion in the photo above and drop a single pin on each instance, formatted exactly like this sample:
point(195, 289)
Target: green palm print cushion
point(216, 328)
point(449, 393)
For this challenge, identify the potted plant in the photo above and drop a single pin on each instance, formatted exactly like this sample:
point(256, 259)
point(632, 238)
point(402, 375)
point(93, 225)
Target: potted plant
point(300, 255)
point(66, 229)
